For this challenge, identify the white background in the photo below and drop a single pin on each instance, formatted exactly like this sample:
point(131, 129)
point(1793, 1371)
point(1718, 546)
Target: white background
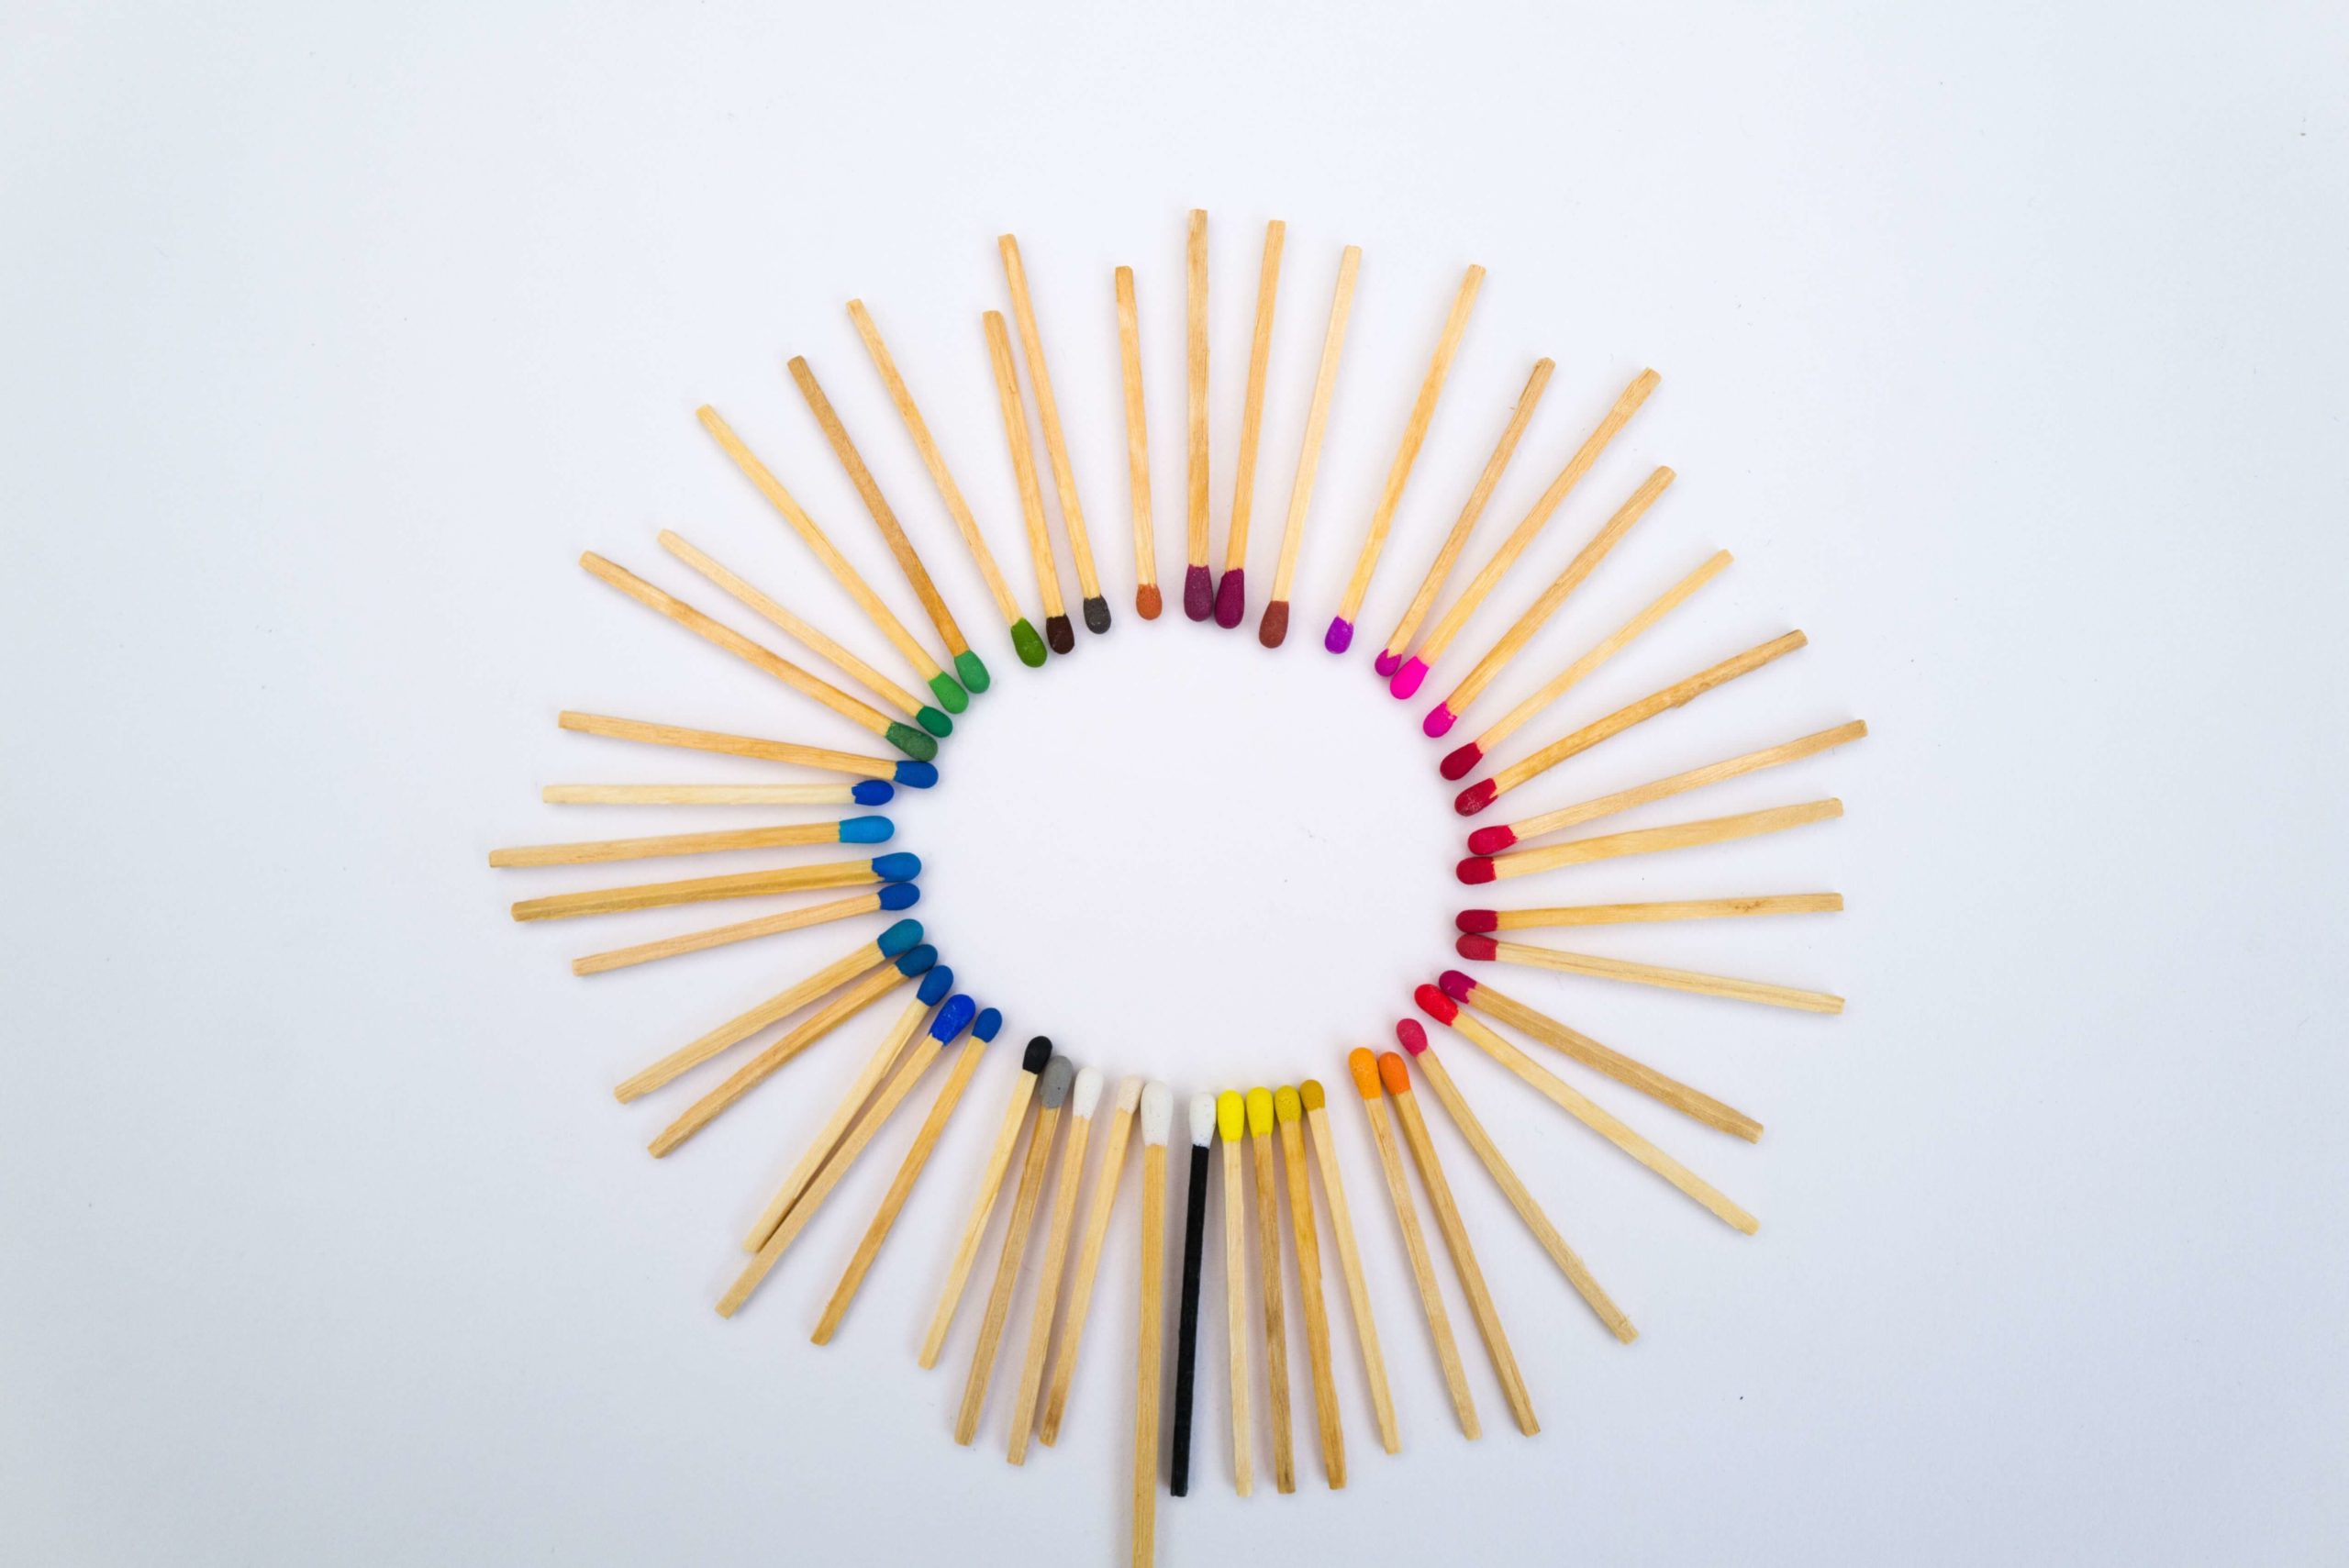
point(2004, 346)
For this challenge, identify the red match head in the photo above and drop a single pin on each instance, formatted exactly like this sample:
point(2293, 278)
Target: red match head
point(1435, 1005)
point(1462, 761)
point(1476, 871)
point(1492, 840)
point(1393, 1074)
point(1478, 920)
point(1412, 1035)
point(1363, 1065)
point(1455, 985)
point(1476, 797)
point(1479, 948)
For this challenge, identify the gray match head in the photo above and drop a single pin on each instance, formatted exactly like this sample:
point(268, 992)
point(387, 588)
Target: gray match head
point(1059, 1074)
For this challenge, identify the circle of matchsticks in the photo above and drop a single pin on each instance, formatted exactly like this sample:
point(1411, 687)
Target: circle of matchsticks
point(1056, 1115)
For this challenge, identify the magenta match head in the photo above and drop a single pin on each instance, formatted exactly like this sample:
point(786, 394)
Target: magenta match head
point(1455, 985)
point(1410, 1035)
point(1476, 797)
point(1479, 921)
point(1439, 722)
point(1491, 840)
point(1341, 634)
point(1198, 593)
point(1474, 870)
point(1386, 663)
point(1480, 949)
point(1231, 598)
point(1406, 680)
point(1462, 761)
point(1436, 1005)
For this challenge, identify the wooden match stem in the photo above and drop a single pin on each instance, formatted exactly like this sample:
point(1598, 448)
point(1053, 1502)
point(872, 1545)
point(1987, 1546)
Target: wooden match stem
point(1032, 1172)
point(1252, 407)
point(853, 763)
point(1067, 1188)
point(1317, 421)
point(1195, 372)
point(1667, 909)
point(1268, 1251)
point(1415, 1245)
point(1048, 412)
point(1235, 1321)
point(861, 959)
point(699, 794)
point(721, 936)
point(696, 890)
point(974, 1227)
point(1148, 1331)
point(1695, 778)
point(1342, 1230)
point(597, 852)
point(1137, 433)
point(1099, 1207)
point(837, 1011)
point(1331, 1434)
point(1672, 836)
point(1624, 1070)
point(1668, 979)
point(1023, 464)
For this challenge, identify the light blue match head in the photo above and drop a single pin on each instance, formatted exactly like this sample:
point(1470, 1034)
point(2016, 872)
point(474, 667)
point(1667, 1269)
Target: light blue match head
point(988, 1024)
point(935, 984)
point(915, 775)
point(899, 867)
point(916, 960)
point(899, 896)
point(955, 1017)
point(866, 831)
point(872, 792)
point(898, 938)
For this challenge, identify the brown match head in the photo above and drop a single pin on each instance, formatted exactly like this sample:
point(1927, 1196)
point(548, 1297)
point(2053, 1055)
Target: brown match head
point(1393, 1074)
point(1147, 601)
point(1363, 1065)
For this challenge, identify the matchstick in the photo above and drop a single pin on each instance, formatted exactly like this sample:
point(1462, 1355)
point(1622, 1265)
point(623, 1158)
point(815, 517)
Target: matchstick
point(983, 1196)
point(1483, 922)
point(896, 867)
point(850, 1001)
point(1186, 1332)
point(1048, 413)
point(1273, 628)
point(934, 988)
point(1415, 1044)
point(959, 1013)
point(1341, 634)
point(912, 775)
point(1341, 1230)
point(1067, 1188)
point(893, 895)
point(1470, 991)
point(1098, 1207)
point(1198, 583)
point(1363, 1066)
point(904, 736)
point(1581, 1107)
point(1483, 947)
point(1457, 615)
point(1051, 1094)
point(1147, 600)
point(883, 618)
point(1231, 1125)
point(812, 636)
point(1441, 718)
point(1259, 1103)
point(1024, 641)
point(967, 664)
point(1157, 1121)
point(1483, 793)
point(984, 1029)
point(1646, 841)
point(1447, 555)
point(1288, 1111)
point(597, 852)
point(1058, 633)
point(1397, 1081)
point(1231, 590)
point(1492, 840)
point(865, 792)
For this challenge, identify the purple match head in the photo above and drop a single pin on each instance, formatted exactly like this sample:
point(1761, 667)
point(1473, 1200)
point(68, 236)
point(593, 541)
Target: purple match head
point(1231, 598)
point(1406, 680)
point(1341, 634)
point(1476, 797)
point(1474, 870)
point(1455, 985)
point(1491, 840)
point(1386, 663)
point(1461, 761)
point(1478, 921)
point(1198, 593)
point(1438, 721)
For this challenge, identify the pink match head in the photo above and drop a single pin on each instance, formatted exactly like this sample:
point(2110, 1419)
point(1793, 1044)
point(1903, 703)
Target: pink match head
point(1474, 869)
point(1386, 663)
point(1460, 764)
point(1476, 797)
point(1492, 840)
point(1435, 1005)
point(1406, 680)
point(1341, 634)
point(1414, 1039)
point(1438, 724)
point(1480, 949)
point(1455, 985)
point(1478, 920)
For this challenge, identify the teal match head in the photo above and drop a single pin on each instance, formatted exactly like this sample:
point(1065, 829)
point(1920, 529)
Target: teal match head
point(914, 775)
point(956, 1016)
point(988, 1025)
point(916, 960)
point(935, 985)
point(898, 938)
point(913, 742)
point(899, 896)
point(898, 867)
point(950, 695)
point(866, 831)
point(1027, 644)
point(871, 791)
point(937, 723)
point(974, 671)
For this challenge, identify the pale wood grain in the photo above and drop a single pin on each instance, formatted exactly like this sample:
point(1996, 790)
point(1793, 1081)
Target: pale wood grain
point(1268, 1252)
point(599, 852)
point(1330, 1431)
point(1317, 424)
point(699, 794)
point(1024, 1196)
point(853, 763)
point(1342, 1232)
point(1668, 979)
point(1023, 461)
point(975, 1226)
point(721, 936)
point(1252, 405)
point(1137, 438)
point(696, 890)
point(1415, 1246)
point(1068, 1187)
point(852, 1001)
point(1624, 1070)
point(1048, 413)
point(807, 634)
point(1100, 1206)
point(860, 960)
point(1148, 1331)
point(1695, 778)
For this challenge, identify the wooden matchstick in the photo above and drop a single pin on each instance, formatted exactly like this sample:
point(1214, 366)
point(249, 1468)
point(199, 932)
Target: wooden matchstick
point(1485, 921)
point(1491, 840)
point(1058, 633)
point(1067, 1188)
point(1157, 1119)
point(913, 742)
point(1147, 599)
point(913, 775)
point(1259, 1103)
point(950, 1094)
point(1273, 628)
point(898, 867)
point(1397, 1081)
point(1231, 1125)
point(850, 1002)
point(597, 852)
point(1647, 841)
point(1483, 793)
point(1232, 589)
point(1048, 413)
point(1341, 1230)
point(967, 664)
point(959, 1012)
point(810, 635)
point(1415, 1044)
point(883, 618)
point(1457, 615)
point(1341, 634)
point(1650, 974)
point(1447, 555)
point(1051, 1094)
point(1198, 582)
point(1288, 1112)
point(1363, 1066)
point(1583, 1109)
point(1098, 1207)
point(893, 895)
point(1024, 641)
point(983, 1196)
point(1187, 1312)
point(869, 792)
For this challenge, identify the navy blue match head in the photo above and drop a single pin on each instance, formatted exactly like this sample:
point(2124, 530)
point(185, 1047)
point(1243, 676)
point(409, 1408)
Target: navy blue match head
point(898, 938)
point(915, 775)
point(899, 896)
point(899, 867)
point(866, 830)
point(872, 792)
point(955, 1017)
point(1040, 1050)
point(916, 960)
point(988, 1025)
point(936, 985)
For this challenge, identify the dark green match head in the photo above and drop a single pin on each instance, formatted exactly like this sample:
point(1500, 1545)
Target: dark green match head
point(911, 741)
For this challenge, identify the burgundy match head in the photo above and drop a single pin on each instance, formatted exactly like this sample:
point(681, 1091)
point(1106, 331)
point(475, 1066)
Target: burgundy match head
point(1413, 1038)
point(1480, 949)
point(1435, 1005)
point(1198, 593)
point(1455, 985)
point(1492, 840)
point(1478, 921)
point(1462, 761)
point(1231, 598)
point(1476, 797)
point(1386, 663)
point(1474, 869)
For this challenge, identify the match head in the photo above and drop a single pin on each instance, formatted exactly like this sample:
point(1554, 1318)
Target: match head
point(1157, 1114)
point(973, 669)
point(1128, 1094)
point(1405, 683)
point(1085, 1097)
point(1202, 1120)
point(1393, 1074)
point(1435, 1004)
point(1411, 1035)
point(898, 867)
point(1096, 615)
point(1476, 797)
point(916, 960)
point(1232, 1115)
point(914, 775)
point(1386, 663)
point(1492, 840)
point(1059, 1072)
point(959, 1013)
point(1198, 593)
point(988, 1025)
point(1310, 1093)
point(871, 791)
point(1481, 949)
point(1478, 920)
point(1148, 602)
point(1341, 634)
point(1060, 634)
point(1363, 1065)
point(1460, 762)
point(1260, 1112)
point(1040, 1051)
point(1027, 644)
point(1456, 985)
point(896, 896)
point(1287, 1107)
point(935, 985)
point(866, 830)
point(1231, 598)
point(1476, 871)
point(911, 741)
point(937, 723)
point(1272, 630)
point(949, 693)
point(898, 938)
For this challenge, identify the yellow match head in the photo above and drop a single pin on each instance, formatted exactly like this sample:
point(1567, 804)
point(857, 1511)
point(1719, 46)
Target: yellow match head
point(1310, 1093)
point(1260, 1112)
point(1231, 1115)
point(1285, 1104)
point(1363, 1065)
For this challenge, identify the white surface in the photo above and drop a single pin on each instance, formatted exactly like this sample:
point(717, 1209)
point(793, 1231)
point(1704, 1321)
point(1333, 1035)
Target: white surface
point(2004, 347)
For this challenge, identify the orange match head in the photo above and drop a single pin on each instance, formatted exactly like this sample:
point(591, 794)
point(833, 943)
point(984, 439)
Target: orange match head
point(1393, 1074)
point(1363, 1065)
point(1310, 1093)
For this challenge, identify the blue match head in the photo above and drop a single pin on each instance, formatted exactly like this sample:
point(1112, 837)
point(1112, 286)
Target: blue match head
point(866, 830)
point(916, 960)
point(988, 1025)
point(898, 938)
point(915, 775)
point(899, 867)
point(1040, 1050)
point(872, 792)
point(899, 896)
point(955, 1017)
point(935, 984)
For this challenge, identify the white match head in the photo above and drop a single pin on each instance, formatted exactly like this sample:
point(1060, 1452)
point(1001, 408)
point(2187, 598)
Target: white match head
point(1087, 1094)
point(1202, 1120)
point(1157, 1114)
point(1128, 1094)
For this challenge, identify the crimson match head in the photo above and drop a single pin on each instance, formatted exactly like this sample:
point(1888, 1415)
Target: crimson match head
point(1461, 761)
point(1053, 1089)
point(1476, 871)
point(1286, 1106)
point(1393, 1074)
point(1476, 797)
point(959, 1015)
point(1231, 598)
point(1411, 1035)
point(1040, 1050)
point(1435, 1005)
point(988, 1025)
point(1478, 921)
point(1456, 985)
point(1492, 840)
point(1481, 949)
point(1363, 1065)
point(1310, 1093)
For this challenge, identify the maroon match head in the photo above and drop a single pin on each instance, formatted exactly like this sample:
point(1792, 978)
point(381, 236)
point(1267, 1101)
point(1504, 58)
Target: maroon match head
point(1492, 840)
point(1474, 869)
point(1198, 593)
point(1412, 1036)
point(1478, 921)
point(1455, 985)
point(1481, 949)
point(1476, 797)
point(1462, 760)
point(1231, 598)
point(1435, 1005)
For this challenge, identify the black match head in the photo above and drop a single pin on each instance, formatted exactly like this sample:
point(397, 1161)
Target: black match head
point(1040, 1050)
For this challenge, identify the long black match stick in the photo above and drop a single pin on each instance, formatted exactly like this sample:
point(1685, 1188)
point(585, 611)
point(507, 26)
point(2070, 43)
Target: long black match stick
point(1186, 1344)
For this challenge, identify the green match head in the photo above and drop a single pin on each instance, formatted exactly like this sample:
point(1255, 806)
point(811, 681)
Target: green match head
point(937, 723)
point(1029, 645)
point(911, 741)
point(973, 672)
point(951, 696)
